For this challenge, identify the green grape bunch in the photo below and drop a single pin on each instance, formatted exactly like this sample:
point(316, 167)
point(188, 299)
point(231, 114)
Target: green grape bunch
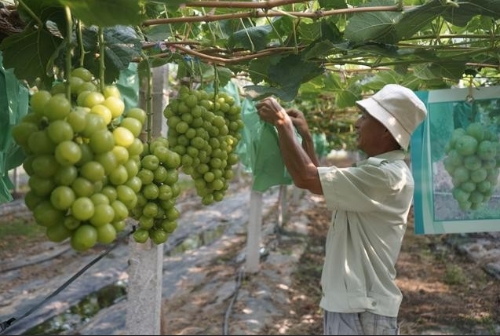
point(156, 211)
point(82, 158)
point(473, 162)
point(204, 129)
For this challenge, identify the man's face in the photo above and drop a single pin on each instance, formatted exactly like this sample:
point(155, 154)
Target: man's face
point(370, 133)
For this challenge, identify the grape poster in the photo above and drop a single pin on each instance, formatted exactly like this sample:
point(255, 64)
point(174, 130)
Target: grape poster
point(455, 158)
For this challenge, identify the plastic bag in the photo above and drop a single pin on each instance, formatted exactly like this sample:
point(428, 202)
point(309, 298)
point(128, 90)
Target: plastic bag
point(321, 145)
point(128, 84)
point(14, 102)
point(263, 155)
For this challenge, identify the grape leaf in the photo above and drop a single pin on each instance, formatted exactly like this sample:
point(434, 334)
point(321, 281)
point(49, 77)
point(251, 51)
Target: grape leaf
point(29, 52)
point(257, 92)
point(451, 70)
point(253, 38)
point(373, 26)
point(328, 4)
point(122, 45)
point(460, 15)
point(106, 13)
point(293, 71)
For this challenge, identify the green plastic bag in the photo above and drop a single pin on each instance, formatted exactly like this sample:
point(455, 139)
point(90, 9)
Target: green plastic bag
point(128, 84)
point(263, 155)
point(14, 102)
point(320, 144)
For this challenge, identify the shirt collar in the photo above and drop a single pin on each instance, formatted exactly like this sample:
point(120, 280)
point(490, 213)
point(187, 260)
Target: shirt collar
point(387, 156)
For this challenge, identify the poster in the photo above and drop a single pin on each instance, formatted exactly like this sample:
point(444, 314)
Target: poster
point(455, 159)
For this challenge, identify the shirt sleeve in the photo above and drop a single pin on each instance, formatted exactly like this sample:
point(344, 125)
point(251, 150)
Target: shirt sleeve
point(361, 189)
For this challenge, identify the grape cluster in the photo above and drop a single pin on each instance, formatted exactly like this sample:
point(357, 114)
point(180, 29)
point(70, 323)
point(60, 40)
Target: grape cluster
point(155, 210)
point(82, 158)
point(473, 163)
point(204, 129)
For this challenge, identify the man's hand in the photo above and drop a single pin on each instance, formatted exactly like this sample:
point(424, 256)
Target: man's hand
point(271, 111)
point(299, 121)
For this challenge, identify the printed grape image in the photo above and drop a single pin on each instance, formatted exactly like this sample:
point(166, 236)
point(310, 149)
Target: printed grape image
point(473, 162)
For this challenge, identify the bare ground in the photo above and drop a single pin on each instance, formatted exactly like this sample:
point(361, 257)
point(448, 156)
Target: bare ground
point(445, 292)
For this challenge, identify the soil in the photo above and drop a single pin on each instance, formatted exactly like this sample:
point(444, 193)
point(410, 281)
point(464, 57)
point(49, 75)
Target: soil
point(445, 292)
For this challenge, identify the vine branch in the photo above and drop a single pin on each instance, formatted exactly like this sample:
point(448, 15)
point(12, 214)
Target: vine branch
point(272, 13)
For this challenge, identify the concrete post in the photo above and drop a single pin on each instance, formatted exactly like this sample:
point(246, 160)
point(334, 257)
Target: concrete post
point(254, 233)
point(282, 205)
point(144, 295)
point(144, 292)
point(159, 101)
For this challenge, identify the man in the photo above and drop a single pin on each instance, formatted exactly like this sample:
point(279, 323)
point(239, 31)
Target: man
point(370, 203)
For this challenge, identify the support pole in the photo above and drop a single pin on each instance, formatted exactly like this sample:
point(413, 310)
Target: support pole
point(144, 291)
point(282, 205)
point(144, 294)
point(254, 233)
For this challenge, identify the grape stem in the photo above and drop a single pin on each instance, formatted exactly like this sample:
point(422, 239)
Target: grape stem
point(201, 75)
point(102, 65)
point(216, 82)
point(69, 34)
point(80, 42)
point(149, 97)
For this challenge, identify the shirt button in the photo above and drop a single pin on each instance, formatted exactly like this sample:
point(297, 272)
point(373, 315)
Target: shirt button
point(374, 304)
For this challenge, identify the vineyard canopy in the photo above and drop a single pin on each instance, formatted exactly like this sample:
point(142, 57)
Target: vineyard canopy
point(283, 46)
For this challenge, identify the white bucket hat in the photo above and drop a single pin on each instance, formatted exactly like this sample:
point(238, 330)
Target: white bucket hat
point(398, 109)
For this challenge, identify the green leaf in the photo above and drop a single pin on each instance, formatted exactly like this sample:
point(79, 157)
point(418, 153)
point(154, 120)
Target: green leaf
point(382, 78)
point(332, 82)
point(121, 46)
point(313, 86)
point(417, 18)
point(282, 26)
point(42, 8)
point(171, 4)
point(309, 32)
point(49, 12)
point(319, 50)
point(464, 11)
point(345, 93)
point(106, 13)
point(451, 70)
point(158, 32)
point(324, 45)
point(332, 4)
point(224, 75)
point(253, 38)
point(258, 68)
point(29, 52)
point(292, 70)
point(373, 26)
point(257, 92)
point(285, 75)
point(330, 31)
point(346, 98)
point(376, 49)
point(411, 82)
